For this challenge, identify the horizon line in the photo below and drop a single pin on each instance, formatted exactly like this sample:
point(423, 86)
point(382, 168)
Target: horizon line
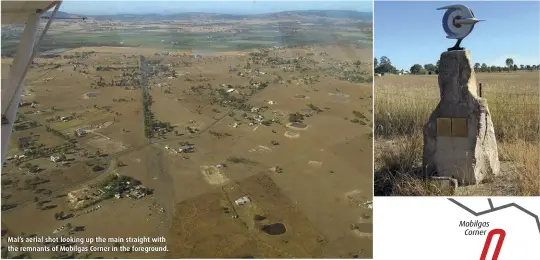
point(205, 12)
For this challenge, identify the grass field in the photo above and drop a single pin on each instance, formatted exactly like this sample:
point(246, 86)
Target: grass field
point(404, 103)
point(246, 36)
point(336, 167)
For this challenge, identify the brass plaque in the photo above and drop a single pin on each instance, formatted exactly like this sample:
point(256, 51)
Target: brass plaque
point(459, 127)
point(444, 126)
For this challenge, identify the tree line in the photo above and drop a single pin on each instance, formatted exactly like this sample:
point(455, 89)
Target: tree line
point(384, 65)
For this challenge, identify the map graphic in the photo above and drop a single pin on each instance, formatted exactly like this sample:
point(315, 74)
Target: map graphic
point(493, 209)
point(482, 228)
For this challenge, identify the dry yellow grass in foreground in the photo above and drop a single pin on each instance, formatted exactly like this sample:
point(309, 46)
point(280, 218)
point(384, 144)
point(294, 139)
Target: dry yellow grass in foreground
point(403, 105)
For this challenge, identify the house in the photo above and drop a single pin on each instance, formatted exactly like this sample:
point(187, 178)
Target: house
point(23, 104)
point(80, 132)
point(186, 148)
point(136, 195)
point(55, 158)
point(138, 192)
point(65, 118)
point(242, 201)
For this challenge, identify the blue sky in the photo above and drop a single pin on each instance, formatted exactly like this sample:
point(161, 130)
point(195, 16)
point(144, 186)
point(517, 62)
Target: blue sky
point(411, 32)
point(223, 6)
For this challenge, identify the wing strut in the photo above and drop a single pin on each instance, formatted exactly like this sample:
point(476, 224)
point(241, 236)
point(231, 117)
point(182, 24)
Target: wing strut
point(11, 94)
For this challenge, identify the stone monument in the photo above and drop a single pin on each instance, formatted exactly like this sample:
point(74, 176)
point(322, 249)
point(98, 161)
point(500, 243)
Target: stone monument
point(459, 138)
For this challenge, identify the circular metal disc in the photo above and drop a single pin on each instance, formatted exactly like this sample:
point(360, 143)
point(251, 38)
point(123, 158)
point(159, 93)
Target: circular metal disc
point(456, 31)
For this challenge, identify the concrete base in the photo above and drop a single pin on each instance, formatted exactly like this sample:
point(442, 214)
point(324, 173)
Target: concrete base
point(466, 152)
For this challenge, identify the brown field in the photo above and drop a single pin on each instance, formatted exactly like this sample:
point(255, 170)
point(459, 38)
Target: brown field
point(403, 105)
point(321, 194)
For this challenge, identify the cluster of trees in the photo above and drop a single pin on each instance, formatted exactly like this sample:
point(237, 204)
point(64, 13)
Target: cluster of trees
point(146, 99)
point(62, 215)
point(384, 65)
point(510, 66)
point(296, 118)
point(124, 81)
point(25, 125)
point(426, 69)
point(121, 184)
point(57, 133)
point(39, 151)
point(33, 168)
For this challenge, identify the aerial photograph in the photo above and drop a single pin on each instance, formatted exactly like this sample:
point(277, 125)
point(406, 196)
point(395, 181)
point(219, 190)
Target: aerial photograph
point(177, 129)
point(457, 102)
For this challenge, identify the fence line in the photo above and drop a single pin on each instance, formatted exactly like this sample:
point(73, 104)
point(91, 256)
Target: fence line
point(382, 93)
point(482, 88)
point(436, 99)
point(484, 91)
point(532, 94)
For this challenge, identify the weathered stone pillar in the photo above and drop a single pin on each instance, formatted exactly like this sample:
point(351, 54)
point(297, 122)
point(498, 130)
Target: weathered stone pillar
point(459, 138)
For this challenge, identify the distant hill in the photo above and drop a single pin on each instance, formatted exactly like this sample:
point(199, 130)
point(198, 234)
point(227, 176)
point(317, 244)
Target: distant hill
point(342, 14)
point(61, 14)
point(191, 15)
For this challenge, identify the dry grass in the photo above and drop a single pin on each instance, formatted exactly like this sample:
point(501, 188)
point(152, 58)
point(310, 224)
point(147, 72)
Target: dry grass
point(527, 157)
point(398, 171)
point(404, 103)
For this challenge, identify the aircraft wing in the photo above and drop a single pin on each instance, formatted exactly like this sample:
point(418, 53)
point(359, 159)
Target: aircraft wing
point(14, 12)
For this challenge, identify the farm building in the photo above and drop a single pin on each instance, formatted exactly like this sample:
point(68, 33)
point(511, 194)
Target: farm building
point(186, 148)
point(242, 201)
point(66, 118)
point(80, 132)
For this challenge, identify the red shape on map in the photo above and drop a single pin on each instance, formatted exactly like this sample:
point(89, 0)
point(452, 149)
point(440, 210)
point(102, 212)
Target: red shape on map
point(489, 238)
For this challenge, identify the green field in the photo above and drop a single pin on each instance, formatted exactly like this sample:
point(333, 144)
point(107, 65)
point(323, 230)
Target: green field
point(247, 36)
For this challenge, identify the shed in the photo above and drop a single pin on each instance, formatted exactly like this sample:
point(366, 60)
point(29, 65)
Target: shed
point(242, 201)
